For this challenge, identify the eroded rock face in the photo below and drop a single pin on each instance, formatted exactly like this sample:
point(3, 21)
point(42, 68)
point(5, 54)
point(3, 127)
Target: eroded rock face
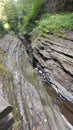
point(33, 107)
point(54, 58)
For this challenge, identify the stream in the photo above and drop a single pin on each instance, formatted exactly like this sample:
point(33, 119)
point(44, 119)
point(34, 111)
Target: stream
point(34, 104)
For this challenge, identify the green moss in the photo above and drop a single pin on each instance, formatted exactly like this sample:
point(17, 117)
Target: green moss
point(16, 113)
point(30, 73)
point(4, 72)
point(17, 125)
point(6, 85)
point(2, 30)
point(59, 34)
point(2, 66)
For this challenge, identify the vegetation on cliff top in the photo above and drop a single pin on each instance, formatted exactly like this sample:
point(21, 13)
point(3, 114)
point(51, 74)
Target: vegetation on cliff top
point(19, 15)
point(25, 16)
point(55, 23)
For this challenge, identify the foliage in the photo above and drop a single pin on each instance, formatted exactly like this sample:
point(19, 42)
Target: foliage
point(54, 23)
point(2, 30)
point(10, 13)
point(31, 17)
point(23, 8)
point(22, 16)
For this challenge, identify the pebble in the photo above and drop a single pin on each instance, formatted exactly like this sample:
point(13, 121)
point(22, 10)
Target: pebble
point(40, 72)
point(36, 69)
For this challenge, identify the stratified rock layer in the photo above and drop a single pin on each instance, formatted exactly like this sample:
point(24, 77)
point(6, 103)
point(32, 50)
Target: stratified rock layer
point(54, 58)
point(33, 107)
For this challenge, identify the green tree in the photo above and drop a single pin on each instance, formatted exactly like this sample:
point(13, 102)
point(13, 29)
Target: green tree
point(2, 30)
point(10, 12)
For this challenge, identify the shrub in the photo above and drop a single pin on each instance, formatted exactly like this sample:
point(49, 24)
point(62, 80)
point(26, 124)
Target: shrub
point(2, 30)
point(31, 17)
point(54, 23)
point(10, 14)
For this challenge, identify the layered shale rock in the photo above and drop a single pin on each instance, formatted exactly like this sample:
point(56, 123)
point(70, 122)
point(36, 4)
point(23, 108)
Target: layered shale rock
point(19, 84)
point(53, 58)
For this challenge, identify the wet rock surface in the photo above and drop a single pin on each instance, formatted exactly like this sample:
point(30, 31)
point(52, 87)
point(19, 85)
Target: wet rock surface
point(19, 84)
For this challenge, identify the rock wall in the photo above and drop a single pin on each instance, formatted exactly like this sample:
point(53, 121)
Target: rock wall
point(54, 62)
point(33, 107)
